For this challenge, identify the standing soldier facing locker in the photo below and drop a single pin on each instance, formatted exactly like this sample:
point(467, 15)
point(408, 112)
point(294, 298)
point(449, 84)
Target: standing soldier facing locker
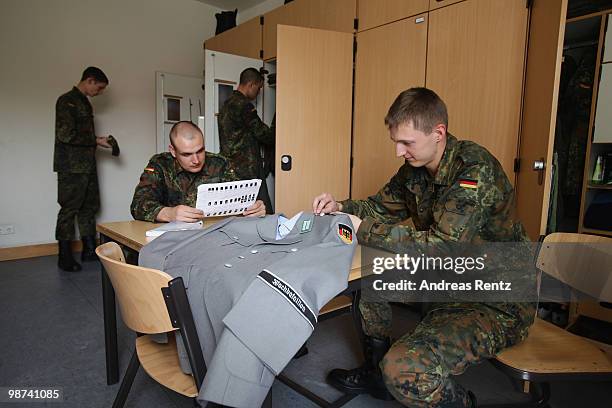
point(242, 133)
point(74, 160)
point(448, 190)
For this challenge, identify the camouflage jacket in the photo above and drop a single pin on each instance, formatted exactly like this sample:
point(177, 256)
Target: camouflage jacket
point(75, 138)
point(164, 183)
point(468, 200)
point(241, 132)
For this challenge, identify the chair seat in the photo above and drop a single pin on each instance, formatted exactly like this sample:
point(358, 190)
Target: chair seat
point(161, 362)
point(551, 350)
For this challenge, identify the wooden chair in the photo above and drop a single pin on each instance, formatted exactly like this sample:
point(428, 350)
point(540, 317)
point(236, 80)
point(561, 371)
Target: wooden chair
point(153, 302)
point(551, 353)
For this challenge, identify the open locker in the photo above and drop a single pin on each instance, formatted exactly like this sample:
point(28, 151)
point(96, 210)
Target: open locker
point(313, 95)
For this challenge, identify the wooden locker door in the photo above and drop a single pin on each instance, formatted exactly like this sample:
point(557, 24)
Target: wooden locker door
point(313, 115)
point(435, 4)
point(546, 32)
point(390, 59)
point(373, 13)
point(475, 62)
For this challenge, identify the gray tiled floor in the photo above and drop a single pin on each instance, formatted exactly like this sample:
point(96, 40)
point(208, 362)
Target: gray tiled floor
point(52, 335)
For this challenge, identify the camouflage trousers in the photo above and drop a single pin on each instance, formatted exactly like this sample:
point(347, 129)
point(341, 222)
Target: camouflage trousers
point(418, 368)
point(78, 197)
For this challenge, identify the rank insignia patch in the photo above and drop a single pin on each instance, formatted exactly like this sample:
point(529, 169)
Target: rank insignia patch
point(306, 226)
point(345, 233)
point(467, 183)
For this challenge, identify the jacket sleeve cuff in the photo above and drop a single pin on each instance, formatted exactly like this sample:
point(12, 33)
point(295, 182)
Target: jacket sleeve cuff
point(347, 206)
point(274, 337)
point(150, 215)
point(364, 233)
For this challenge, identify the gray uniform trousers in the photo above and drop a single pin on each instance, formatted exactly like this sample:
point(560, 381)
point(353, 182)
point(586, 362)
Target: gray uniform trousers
point(255, 300)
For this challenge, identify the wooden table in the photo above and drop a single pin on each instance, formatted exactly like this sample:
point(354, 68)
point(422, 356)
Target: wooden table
point(131, 236)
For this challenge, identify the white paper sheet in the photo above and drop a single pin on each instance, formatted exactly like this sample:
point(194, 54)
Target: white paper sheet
point(231, 198)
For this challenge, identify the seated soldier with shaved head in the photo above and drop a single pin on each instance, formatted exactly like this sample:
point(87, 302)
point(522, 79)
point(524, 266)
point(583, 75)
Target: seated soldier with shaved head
point(168, 186)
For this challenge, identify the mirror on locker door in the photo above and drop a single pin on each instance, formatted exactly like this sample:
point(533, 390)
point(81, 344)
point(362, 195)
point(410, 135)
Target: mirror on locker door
point(178, 97)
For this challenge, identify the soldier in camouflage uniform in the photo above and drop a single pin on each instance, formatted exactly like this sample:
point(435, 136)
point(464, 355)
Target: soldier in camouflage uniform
point(447, 191)
point(242, 133)
point(74, 160)
point(168, 186)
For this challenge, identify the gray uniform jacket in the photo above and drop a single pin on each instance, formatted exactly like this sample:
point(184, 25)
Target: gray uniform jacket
point(255, 300)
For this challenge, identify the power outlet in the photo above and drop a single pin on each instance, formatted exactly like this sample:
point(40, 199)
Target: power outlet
point(6, 229)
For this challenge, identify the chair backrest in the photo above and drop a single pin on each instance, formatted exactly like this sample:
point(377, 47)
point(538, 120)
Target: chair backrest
point(581, 261)
point(138, 291)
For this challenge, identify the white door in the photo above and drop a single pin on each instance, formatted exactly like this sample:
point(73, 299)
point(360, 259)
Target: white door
point(179, 97)
point(221, 77)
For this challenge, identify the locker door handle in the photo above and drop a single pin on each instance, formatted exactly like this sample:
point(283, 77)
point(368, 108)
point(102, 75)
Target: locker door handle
point(539, 166)
point(286, 162)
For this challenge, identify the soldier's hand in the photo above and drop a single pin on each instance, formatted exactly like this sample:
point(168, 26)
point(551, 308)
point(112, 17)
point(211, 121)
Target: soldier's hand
point(182, 213)
point(325, 204)
point(258, 209)
point(102, 141)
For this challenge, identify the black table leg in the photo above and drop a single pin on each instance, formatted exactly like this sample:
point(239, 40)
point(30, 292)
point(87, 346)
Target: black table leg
point(110, 326)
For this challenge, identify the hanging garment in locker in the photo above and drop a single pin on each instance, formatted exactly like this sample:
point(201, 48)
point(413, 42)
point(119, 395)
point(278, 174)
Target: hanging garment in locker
point(255, 298)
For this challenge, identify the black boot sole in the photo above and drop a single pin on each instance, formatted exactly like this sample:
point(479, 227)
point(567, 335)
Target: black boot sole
point(377, 393)
point(344, 388)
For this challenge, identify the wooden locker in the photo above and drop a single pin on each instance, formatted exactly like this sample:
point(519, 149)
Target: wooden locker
point(244, 40)
point(475, 63)
point(541, 94)
point(313, 115)
point(336, 15)
point(374, 13)
point(389, 60)
point(436, 4)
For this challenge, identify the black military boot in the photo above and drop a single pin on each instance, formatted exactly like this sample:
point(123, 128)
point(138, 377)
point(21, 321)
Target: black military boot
point(89, 249)
point(65, 260)
point(366, 379)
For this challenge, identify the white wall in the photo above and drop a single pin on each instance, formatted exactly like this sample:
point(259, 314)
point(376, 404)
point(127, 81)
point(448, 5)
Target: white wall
point(44, 47)
point(262, 8)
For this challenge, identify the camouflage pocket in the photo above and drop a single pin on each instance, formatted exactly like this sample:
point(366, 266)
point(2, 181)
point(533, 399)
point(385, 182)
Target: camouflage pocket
point(455, 218)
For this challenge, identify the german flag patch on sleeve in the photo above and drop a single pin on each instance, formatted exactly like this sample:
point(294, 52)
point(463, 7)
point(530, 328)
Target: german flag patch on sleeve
point(345, 233)
point(468, 183)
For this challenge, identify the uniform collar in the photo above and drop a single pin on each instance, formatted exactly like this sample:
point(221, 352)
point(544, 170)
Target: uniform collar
point(444, 169)
point(420, 178)
point(178, 169)
point(77, 92)
point(267, 226)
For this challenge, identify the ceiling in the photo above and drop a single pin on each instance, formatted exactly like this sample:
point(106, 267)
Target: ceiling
point(232, 4)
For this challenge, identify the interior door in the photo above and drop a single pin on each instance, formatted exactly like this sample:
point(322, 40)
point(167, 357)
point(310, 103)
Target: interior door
point(389, 59)
point(178, 97)
point(313, 115)
point(546, 33)
point(475, 62)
